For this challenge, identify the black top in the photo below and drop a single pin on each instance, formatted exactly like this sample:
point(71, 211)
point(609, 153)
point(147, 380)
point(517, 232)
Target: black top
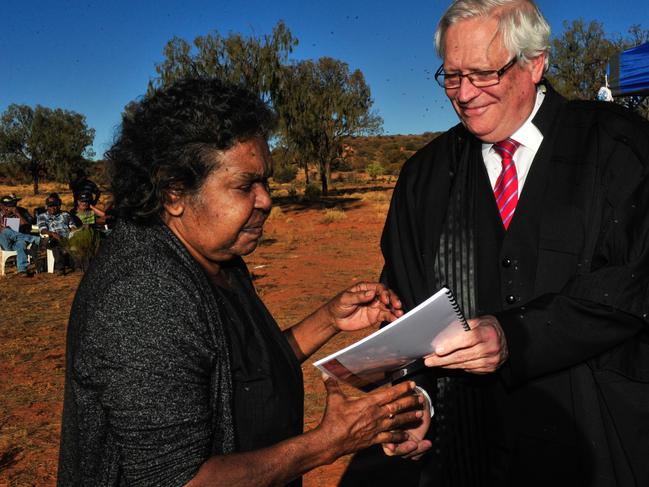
point(267, 378)
point(153, 385)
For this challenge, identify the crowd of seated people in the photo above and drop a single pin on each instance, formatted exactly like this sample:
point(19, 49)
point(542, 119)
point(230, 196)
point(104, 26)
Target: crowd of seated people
point(51, 228)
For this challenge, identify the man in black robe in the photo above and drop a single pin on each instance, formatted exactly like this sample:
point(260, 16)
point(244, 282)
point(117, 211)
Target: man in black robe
point(550, 260)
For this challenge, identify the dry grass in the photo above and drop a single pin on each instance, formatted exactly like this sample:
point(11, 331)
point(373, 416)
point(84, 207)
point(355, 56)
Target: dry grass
point(377, 196)
point(30, 200)
point(275, 213)
point(333, 215)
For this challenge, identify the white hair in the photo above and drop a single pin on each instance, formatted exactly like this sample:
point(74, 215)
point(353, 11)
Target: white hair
point(526, 33)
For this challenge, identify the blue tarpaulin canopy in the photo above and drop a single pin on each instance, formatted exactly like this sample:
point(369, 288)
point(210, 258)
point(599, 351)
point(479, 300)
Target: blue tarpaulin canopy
point(628, 72)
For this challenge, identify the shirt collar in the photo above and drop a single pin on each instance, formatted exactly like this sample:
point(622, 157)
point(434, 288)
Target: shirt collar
point(528, 135)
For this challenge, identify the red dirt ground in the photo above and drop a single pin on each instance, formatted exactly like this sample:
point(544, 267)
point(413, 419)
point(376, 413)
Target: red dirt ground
point(308, 254)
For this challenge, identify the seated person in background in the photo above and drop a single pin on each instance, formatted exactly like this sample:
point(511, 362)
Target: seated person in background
point(80, 184)
point(56, 224)
point(86, 213)
point(10, 239)
point(84, 244)
point(10, 202)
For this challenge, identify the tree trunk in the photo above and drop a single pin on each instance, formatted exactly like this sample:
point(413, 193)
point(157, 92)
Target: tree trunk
point(35, 177)
point(328, 172)
point(324, 179)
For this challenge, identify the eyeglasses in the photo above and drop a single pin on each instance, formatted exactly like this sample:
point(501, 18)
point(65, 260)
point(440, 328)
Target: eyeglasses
point(479, 79)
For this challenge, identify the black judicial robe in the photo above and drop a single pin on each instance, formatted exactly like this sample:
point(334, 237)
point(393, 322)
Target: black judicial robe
point(569, 282)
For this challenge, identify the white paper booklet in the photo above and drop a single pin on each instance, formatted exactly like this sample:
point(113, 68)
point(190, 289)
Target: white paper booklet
point(378, 358)
point(13, 223)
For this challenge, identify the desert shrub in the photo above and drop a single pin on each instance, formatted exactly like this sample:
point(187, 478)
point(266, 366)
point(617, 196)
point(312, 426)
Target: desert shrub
point(292, 191)
point(374, 170)
point(351, 178)
point(394, 156)
point(412, 145)
point(343, 165)
point(332, 215)
point(376, 196)
point(284, 174)
point(394, 169)
point(275, 213)
point(312, 192)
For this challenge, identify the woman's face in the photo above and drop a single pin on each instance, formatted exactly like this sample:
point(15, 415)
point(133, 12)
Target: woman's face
point(83, 205)
point(226, 217)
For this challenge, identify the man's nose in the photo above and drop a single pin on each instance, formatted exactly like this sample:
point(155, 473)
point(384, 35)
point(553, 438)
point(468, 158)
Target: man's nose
point(467, 91)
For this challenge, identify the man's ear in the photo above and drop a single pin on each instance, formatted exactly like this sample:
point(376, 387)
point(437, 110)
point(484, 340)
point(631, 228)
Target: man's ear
point(174, 203)
point(537, 68)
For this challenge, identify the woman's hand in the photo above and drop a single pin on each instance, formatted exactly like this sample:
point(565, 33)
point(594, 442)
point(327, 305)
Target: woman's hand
point(350, 424)
point(358, 307)
point(416, 445)
point(362, 305)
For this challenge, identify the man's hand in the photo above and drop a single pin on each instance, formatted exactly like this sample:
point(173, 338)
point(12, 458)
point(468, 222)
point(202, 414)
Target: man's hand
point(481, 350)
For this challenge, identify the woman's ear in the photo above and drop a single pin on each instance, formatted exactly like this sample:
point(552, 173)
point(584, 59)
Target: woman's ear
point(174, 203)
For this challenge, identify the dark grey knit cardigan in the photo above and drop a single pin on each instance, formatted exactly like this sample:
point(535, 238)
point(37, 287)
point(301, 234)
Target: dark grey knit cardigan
point(147, 384)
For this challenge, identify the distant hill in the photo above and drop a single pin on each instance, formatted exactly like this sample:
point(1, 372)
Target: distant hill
point(390, 151)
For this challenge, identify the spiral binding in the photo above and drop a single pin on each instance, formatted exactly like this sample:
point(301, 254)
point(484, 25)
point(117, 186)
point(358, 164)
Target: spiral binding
point(458, 310)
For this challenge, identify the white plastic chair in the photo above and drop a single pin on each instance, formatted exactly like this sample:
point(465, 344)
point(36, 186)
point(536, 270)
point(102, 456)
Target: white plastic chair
point(4, 256)
point(7, 254)
point(50, 261)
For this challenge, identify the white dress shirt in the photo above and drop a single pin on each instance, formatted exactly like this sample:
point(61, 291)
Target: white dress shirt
point(530, 139)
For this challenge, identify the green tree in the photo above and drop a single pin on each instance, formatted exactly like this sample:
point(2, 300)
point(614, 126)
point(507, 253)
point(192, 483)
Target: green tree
point(254, 62)
point(320, 103)
point(42, 140)
point(580, 55)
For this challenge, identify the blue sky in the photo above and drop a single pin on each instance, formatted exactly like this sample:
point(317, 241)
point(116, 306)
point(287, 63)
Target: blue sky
point(94, 57)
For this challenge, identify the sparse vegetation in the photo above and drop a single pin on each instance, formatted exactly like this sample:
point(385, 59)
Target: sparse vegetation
point(275, 213)
point(332, 215)
point(284, 173)
point(390, 151)
point(374, 170)
point(312, 192)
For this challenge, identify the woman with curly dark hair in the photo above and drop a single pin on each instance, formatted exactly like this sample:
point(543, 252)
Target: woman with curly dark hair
point(176, 373)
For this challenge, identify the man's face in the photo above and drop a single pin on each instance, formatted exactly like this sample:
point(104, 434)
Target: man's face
point(495, 112)
point(53, 208)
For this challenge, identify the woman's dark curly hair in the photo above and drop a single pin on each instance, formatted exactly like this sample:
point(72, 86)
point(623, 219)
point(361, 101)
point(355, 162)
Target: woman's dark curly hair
point(168, 142)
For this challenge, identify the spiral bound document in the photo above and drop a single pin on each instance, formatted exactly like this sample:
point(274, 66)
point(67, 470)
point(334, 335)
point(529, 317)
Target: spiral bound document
point(384, 355)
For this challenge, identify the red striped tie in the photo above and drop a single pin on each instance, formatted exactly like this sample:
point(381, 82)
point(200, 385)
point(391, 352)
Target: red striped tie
point(506, 189)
